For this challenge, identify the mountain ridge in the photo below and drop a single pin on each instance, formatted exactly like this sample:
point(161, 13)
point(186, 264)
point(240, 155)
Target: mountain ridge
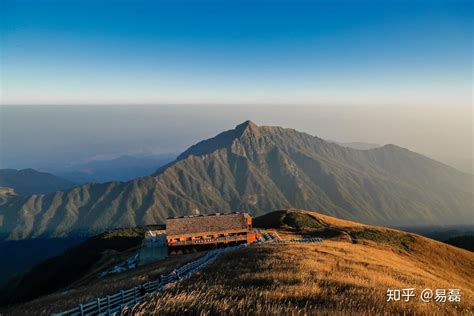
point(31, 181)
point(257, 168)
point(121, 168)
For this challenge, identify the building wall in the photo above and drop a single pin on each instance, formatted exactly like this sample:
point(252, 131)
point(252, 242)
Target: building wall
point(205, 235)
point(251, 237)
point(153, 248)
point(149, 255)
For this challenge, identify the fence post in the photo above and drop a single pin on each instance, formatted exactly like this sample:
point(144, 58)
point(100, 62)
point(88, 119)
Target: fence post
point(187, 270)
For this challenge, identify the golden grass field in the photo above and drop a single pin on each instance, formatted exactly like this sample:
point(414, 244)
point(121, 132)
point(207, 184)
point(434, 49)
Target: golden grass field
point(333, 277)
point(349, 273)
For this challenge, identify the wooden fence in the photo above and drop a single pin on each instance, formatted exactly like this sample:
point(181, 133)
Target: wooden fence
point(114, 304)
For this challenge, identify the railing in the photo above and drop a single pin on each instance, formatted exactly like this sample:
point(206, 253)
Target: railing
point(113, 304)
point(298, 241)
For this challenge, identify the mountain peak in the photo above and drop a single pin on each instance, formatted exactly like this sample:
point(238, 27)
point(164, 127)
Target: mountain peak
point(247, 128)
point(246, 124)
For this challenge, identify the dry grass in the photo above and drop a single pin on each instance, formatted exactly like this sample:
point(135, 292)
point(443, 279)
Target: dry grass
point(99, 287)
point(334, 277)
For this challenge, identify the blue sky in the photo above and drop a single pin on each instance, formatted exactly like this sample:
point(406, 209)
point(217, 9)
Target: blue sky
point(231, 52)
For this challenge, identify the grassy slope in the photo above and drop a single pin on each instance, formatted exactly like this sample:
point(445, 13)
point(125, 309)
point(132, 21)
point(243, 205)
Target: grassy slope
point(99, 287)
point(77, 264)
point(18, 256)
point(337, 275)
point(73, 276)
point(350, 272)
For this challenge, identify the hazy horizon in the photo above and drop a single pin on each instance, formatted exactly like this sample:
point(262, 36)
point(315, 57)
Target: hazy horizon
point(42, 136)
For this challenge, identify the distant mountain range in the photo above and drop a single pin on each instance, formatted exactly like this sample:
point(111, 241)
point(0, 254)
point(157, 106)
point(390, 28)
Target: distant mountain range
point(257, 169)
point(30, 181)
point(122, 168)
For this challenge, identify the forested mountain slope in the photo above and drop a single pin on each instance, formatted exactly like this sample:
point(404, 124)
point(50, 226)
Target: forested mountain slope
point(257, 169)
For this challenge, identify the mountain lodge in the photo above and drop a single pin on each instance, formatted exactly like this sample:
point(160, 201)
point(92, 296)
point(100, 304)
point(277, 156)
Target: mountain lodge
point(191, 233)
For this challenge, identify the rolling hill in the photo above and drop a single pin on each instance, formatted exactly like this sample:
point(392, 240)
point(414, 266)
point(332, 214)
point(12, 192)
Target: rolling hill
point(257, 169)
point(349, 273)
point(71, 265)
point(31, 181)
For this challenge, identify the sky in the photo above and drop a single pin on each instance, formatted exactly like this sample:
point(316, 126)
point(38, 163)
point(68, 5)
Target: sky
point(390, 52)
point(84, 79)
